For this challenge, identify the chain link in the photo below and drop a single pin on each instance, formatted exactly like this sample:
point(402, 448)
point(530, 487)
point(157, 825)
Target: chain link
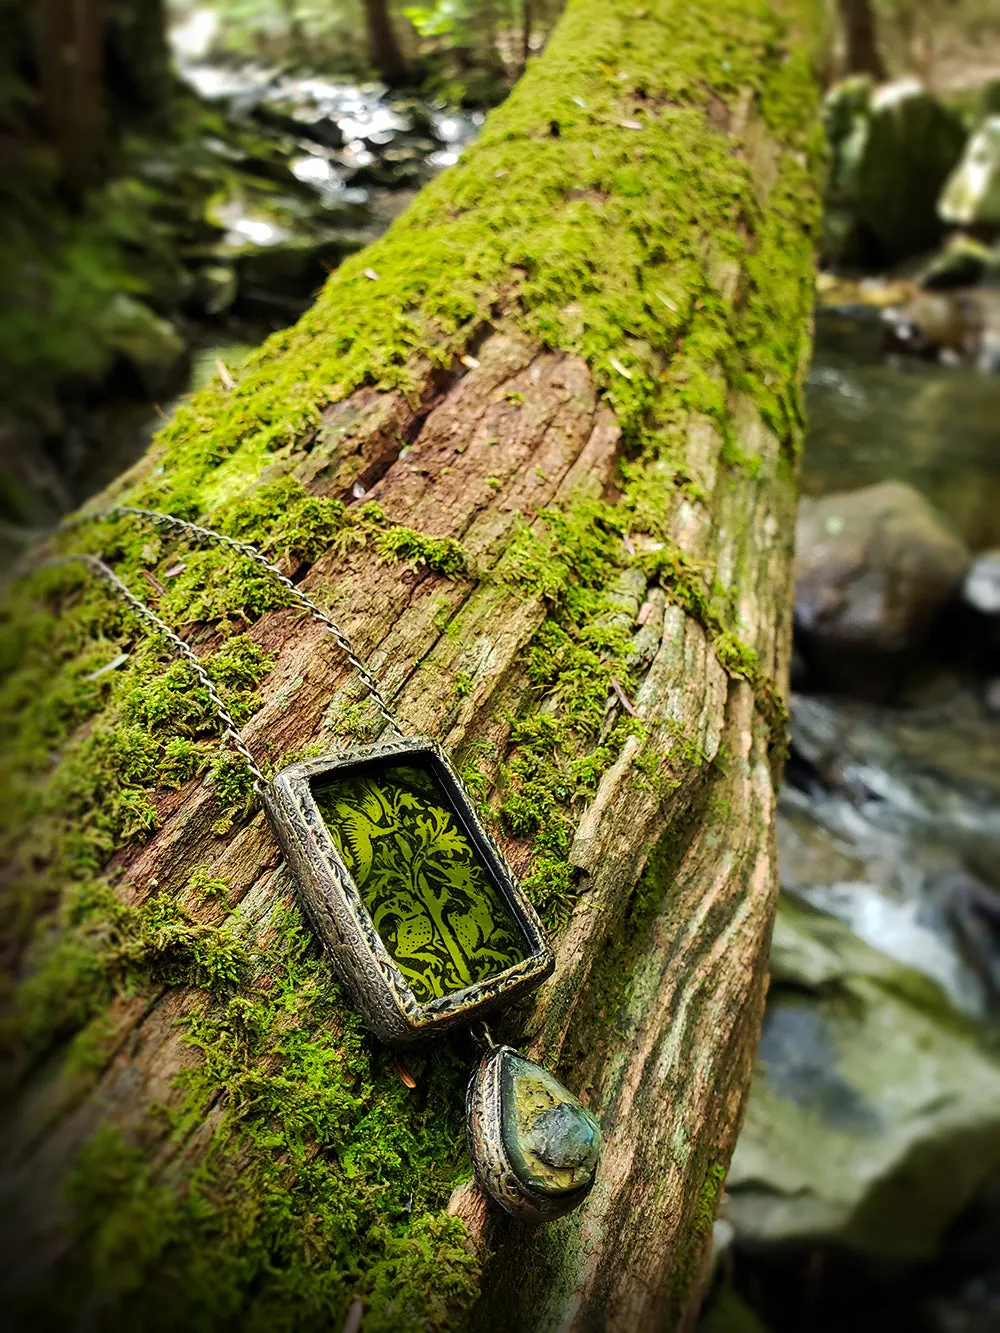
point(212, 538)
point(146, 613)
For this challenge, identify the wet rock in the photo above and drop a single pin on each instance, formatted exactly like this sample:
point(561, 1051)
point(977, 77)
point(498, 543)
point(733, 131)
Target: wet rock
point(932, 322)
point(302, 122)
point(151, 345)
point(981, 589)
point(955, 327)
point(280, 246)
point(893, 146)
point(875, 1112)
point(872, 569)
point(963, 262)
point(971, 196)
point(215, 288)
point(289, 272)
point(397, 169)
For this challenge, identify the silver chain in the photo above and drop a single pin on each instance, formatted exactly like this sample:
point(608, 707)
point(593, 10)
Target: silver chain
point(145, 613)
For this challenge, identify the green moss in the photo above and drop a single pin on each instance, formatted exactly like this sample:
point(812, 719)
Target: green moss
point(326, 1179)
point(464, 685)
point(100, 947)
point(682, 581)
point(346, 1201)
point(441, 554)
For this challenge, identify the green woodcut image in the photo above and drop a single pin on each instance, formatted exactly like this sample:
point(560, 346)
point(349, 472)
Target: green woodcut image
point(431, 899)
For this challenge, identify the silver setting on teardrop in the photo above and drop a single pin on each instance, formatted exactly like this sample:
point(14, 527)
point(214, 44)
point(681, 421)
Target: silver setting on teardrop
point(535, 1147)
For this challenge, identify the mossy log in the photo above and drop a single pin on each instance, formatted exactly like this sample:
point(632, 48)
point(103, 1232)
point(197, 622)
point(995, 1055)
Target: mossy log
point(536, 449)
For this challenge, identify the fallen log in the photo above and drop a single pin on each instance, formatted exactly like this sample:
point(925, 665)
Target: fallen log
point(536, 451)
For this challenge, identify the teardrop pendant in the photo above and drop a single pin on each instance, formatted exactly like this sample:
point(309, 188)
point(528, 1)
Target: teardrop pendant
point(534, 1146)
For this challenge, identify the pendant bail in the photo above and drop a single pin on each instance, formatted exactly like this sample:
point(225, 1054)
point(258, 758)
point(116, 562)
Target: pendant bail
point(481, 1034)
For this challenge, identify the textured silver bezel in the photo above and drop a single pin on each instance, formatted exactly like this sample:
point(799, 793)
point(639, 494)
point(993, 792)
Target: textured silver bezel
point(495, 1174)
point(334, 906)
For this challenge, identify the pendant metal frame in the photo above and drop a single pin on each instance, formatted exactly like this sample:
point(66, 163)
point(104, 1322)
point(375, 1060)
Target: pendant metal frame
point(333, 903)
point(495, 1173)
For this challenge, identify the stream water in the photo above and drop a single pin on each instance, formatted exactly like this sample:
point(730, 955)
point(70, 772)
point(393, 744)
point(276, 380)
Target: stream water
point(891, 815)
point(889, 823)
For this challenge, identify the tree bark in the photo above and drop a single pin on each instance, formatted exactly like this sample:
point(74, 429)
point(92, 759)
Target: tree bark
point(537, 451)
point(139, 78)
point(69, 45)
point(862, 55)
point(100, 64)
point(383, 46)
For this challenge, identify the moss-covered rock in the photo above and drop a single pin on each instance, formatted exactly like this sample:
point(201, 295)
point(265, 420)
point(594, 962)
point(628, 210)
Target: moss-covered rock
point(875, 1112)
point(151, 345)
point(892, 149)
point(971, 196)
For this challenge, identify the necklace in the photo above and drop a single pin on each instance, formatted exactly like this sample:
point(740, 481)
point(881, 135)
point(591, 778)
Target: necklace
point(421, 918)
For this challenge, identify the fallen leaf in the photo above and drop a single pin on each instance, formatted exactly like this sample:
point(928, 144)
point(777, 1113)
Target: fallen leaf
point(617, 365)
point(644, 612)
point(405, 1077)
point(623, 699)
point(174, 570)
point(225, 374)
point(371, 275)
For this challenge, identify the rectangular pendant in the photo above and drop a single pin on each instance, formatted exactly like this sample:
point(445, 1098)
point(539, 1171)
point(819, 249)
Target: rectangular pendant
point(422, 918)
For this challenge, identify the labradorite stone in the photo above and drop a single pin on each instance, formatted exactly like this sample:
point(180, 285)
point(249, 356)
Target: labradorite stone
point(551, 1139)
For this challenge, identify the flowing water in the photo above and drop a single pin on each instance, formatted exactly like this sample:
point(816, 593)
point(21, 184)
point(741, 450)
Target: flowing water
point(889, 824)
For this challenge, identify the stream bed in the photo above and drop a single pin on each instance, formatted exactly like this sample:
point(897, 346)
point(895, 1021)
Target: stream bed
point(865, 1189)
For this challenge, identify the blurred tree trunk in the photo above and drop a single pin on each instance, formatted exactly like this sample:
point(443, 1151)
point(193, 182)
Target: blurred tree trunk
point(138, 79)
point(384, 49)
point(100, 63)
point(296, 31)
point(538, 448)
point(70, 53)
point(862, 55)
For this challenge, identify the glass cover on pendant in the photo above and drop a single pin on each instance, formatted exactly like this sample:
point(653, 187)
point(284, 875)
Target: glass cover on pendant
point(430, 896)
